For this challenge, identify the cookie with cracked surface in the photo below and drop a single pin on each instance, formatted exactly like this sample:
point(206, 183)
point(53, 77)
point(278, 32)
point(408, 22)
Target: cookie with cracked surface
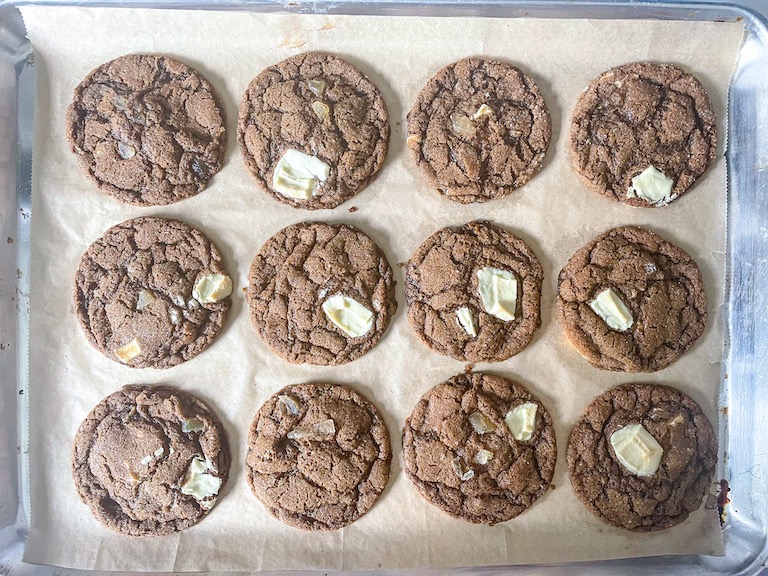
point(478, 130)
point(480, 447)
point(318, 456)
point(150, 460)
point(631, 301)
point(152, 292)
point(147, 129)
point(313, 130)
point(642, 457)
point(643, 133)
point(474, 292)
point(321, 293)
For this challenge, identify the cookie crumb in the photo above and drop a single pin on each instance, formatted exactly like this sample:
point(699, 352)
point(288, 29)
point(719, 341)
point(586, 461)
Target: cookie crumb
point(353, 208)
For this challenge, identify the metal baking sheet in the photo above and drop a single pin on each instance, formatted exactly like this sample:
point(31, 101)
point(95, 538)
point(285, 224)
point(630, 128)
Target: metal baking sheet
point(743, 406)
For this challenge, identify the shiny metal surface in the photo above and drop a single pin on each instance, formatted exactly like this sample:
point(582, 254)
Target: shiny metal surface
point(744, 395)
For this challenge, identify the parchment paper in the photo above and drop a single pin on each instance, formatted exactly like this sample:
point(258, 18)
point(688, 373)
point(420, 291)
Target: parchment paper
point(554, 213)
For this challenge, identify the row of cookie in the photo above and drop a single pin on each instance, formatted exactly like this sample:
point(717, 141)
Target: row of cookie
point(151, 460)
point(313, 131)
point(153, 292)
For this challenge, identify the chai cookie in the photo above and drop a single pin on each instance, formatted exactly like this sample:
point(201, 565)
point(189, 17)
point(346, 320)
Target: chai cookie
point(631, 301)
point(479, 129)
point(321, 293)
point(480, 447)
point(642, 457)
point(149, 130)
point(151, 292)
point(150, 460)
point(643, 133)
point(474, 292)
point(313, 130)
point(318, 456)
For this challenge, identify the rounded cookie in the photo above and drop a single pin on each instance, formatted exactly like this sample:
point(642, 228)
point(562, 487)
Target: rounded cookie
point(318, 456)
point(631, 301)
point(657, 427)
point(643, 133)
point(313, 130)
point(479, 129)
point(474, 292)
point(147, 129)
point(150, 460)
point(151, 292)
point(480, 447)
point(321, 293)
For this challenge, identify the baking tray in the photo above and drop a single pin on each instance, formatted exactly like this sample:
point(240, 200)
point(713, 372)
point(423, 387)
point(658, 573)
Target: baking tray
point(743, 402)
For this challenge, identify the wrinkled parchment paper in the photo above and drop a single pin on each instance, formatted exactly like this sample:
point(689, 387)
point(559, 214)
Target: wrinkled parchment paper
point(554, 213)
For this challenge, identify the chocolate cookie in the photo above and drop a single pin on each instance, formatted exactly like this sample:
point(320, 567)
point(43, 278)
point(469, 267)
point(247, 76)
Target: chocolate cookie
point(480, 447)
point(150, 460)
point(643, 133)
point(321, 293)
point(318, 456)
point(151, 292)
point(313, 130)
point(474, 292)
point(630, 301)
point(478, 130)
point(642, 457)
point(147, 129)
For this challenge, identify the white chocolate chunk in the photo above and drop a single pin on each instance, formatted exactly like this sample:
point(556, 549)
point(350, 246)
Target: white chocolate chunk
point(126, 151)
point(349, 315)
point(521, 421)
point(298, 175)
point(612, 310)
point(464, 317)
point(159, 452)
point(146, 460)
point(481, 423)
point(317, 87)
point(637, 450)
point(146, 297)
point(498, 292)
point(199, 483)
point(320, 109)
point(463, 125)
point(212, 288)
point(484, 110)
point(290, 403)
point(192, 425)
point(129, 351)
point(460, 472)
point(483, 457)
point(324, 428)
point(652, 186)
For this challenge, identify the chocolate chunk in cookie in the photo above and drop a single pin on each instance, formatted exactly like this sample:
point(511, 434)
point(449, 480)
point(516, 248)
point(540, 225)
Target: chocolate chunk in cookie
point(643, 133)
point(480, 447)
point(150, 460)
point(478, 130)
point(318, 456)
point(147, 129)
point(642, 457)
point(313, 130)
point(151, 292)
point(321, 293)
point(631, 301)
point(474, 292)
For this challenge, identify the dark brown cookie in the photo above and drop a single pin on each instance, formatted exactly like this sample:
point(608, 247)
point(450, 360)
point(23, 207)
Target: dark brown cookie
point(678, 441)
point(446, 287)
point(660, 287)
point(480, 447)
point(314, 108)
point(638, 116)
point(318, 456)
point(151, 292)
point(150, 460)
point(147, 129)
point(309, 281)
point(478, 130)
